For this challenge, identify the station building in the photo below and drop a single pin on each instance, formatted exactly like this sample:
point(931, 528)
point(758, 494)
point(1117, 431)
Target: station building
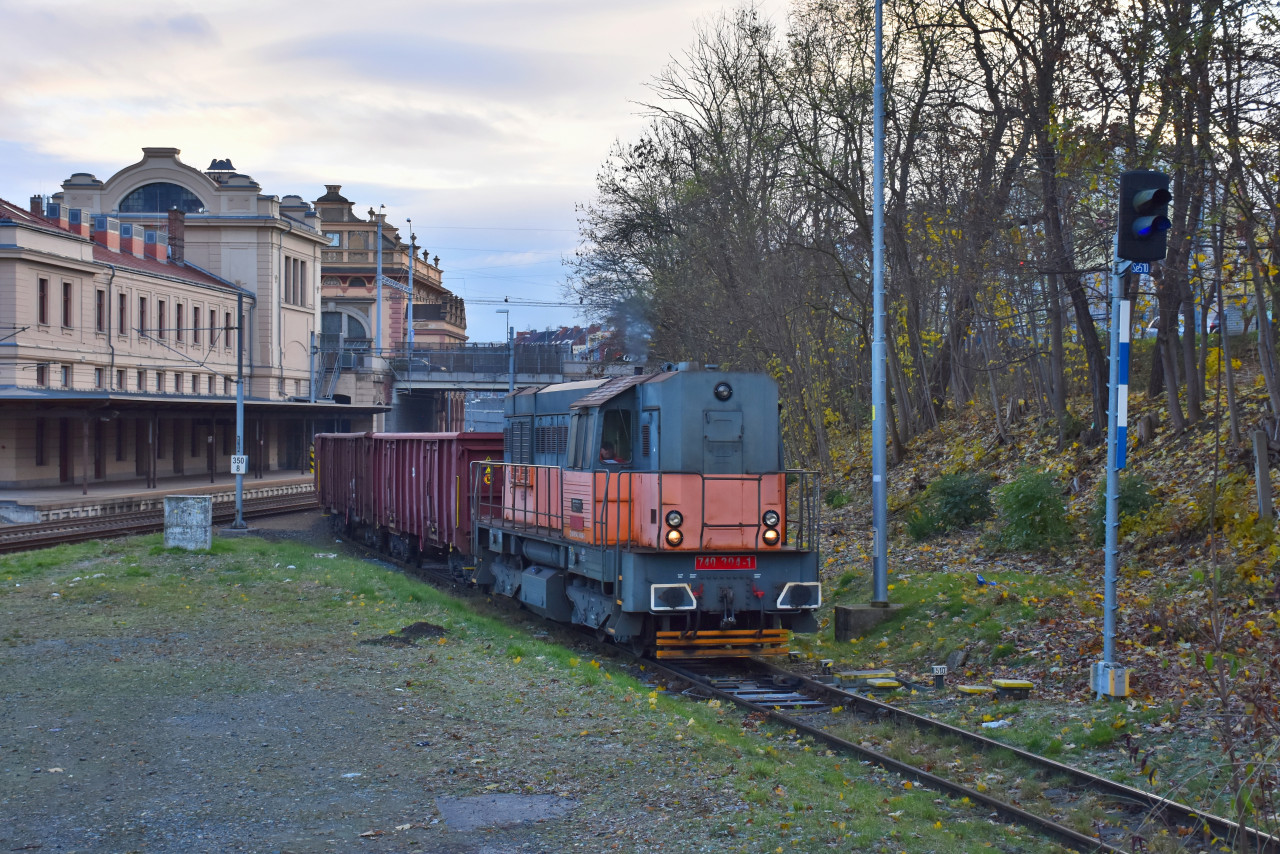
point(122, 305)
point(366, 347)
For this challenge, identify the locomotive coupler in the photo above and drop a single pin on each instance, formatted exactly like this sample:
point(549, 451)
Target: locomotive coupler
point(728, 618)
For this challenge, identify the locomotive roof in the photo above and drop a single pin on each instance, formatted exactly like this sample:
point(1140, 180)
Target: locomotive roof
point(614, 387)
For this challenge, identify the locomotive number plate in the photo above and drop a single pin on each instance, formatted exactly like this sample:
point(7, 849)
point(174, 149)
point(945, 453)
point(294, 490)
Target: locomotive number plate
point(724, 562)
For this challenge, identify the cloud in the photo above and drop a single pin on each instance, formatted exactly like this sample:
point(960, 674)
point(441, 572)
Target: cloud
point(485, 115)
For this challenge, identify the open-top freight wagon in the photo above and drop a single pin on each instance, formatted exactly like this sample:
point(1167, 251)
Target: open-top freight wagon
point(654, 508)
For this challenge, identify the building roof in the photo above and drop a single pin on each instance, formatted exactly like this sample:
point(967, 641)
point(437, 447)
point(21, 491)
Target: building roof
point(9, 212)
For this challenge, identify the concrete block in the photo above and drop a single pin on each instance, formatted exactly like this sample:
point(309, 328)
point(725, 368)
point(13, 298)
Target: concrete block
point(188, 522)
point(857, 621)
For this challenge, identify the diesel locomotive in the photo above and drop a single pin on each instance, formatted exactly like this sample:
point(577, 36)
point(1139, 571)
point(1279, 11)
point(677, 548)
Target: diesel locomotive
point(653, 508)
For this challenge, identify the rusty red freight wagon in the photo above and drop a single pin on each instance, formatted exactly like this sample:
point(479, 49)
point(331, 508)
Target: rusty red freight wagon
point(405, 493)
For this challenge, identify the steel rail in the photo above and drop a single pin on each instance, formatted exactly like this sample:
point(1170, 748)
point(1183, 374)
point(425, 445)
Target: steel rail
point(1222, 828)
point(38, 535)
point(1066, 835)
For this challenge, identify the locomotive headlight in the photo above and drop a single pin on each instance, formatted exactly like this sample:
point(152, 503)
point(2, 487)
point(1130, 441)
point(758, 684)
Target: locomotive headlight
point(675, 518)
point(674, 537)
point(770, 518)
point(723, 391)
point(770, 536)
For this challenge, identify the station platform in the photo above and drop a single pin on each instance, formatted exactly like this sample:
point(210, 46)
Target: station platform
point(50, 504)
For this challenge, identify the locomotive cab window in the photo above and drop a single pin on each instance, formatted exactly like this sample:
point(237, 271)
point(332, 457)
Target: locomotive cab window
point(579, 431)
point(615, 438)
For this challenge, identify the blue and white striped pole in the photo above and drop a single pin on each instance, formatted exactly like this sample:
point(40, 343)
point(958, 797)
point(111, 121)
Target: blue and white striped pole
point(1109, 680)
point(1122, 387)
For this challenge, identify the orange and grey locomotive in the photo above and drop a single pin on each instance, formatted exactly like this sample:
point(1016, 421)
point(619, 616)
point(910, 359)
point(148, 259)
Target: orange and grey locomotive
point(655, 509)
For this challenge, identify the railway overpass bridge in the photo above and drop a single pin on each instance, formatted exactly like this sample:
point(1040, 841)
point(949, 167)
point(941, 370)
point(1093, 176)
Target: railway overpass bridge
point(435, 387)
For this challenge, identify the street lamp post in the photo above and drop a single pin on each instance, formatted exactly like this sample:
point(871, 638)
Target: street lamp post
point(240, 466)
point(413, 250)
point(511, 349)
point(377, 341)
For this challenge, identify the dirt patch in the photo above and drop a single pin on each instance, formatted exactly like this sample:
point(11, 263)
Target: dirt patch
point(407, 636)
point(465, 814)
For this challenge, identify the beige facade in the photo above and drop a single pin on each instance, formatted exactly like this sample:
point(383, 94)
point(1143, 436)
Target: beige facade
point(118, 328)
point(236, 233)
point(365, 346)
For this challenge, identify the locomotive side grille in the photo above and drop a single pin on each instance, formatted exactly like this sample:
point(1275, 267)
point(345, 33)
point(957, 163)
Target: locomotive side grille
point(517, 440)
point(644, 440)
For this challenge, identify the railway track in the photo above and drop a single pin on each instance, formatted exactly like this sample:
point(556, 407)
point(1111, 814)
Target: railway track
point(1129, 820)
point(1132, 818)
point(39, 535)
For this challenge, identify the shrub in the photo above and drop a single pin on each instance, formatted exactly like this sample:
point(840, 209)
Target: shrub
point(1033, 513)
point(961, 499)
point(952, 501)
point(1135, 500)
point(923, 523)
point(835, 498)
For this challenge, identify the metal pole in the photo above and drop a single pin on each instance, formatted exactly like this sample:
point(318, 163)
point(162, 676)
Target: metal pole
point(311, 365)
point(1105, 681)
point(511, 348)
point(879, 399)
point(239, 522)
point(413, 250)
point(377, 344)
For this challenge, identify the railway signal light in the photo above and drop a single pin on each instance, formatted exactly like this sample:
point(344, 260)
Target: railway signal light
point(1144, 215)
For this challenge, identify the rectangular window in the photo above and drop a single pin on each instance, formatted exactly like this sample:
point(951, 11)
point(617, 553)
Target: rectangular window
point(120, 379)
point(305, 291)
point(142, 380)
point(42, 302)
point(177, 322)
point(142, 317)
point(42, 374)
point(159, 380)
point(213, 328)
point(210, 384)
point(195, 324)
point(161, 332)
point(97, 378)
point(226, 342)
point(100, 311)
point(177, 382)
point(66, 305)
point(41, 459)
point(66, 376)
point(123, 316)
point(226, 385)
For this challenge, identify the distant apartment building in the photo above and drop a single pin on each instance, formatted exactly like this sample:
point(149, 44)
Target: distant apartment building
point(122, 303)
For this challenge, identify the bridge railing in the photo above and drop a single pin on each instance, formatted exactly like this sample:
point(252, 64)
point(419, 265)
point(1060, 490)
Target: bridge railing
point(479, 359)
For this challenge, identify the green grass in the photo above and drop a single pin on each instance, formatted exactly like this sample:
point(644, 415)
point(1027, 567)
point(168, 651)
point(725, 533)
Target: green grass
point(283, 599)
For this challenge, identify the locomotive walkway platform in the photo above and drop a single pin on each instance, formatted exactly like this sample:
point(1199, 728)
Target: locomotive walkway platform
point(51, 504)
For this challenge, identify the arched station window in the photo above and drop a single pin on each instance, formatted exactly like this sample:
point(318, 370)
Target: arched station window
point(160, 197)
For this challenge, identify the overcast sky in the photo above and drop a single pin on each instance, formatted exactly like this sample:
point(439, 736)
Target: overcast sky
point(484, 121)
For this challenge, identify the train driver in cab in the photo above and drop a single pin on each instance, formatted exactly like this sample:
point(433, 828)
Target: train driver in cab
point(610, 456)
